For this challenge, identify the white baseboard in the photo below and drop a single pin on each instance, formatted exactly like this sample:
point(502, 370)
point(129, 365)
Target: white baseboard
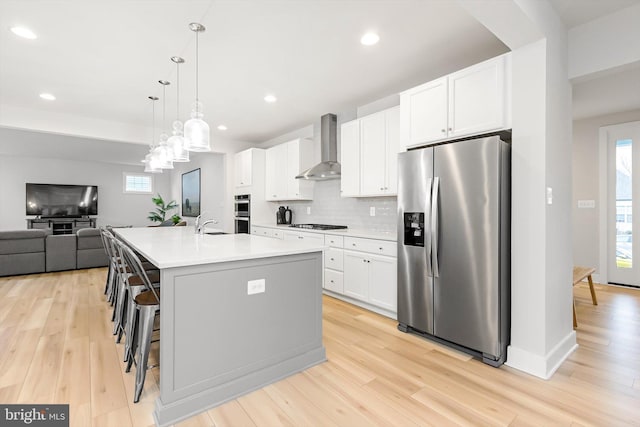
point(542, 366)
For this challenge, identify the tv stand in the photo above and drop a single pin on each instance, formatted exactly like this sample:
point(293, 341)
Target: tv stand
point(61, 225)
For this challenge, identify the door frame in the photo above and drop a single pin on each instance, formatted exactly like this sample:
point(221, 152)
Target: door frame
point(603, 196)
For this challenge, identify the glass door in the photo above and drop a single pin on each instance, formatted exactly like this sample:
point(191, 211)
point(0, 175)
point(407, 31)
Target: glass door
point(623, 235)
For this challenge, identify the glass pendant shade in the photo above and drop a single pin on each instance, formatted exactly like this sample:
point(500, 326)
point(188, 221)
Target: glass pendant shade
point(149, 164)
point(177, 144)
point(196, 131)
point(163, 156)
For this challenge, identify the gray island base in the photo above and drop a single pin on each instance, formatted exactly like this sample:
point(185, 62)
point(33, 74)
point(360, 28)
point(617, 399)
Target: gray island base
point(229, 327)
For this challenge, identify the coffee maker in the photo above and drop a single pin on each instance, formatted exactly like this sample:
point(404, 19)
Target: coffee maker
point(284, 216)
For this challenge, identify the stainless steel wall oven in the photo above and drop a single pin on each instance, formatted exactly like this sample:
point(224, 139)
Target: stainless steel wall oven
point(242, 213)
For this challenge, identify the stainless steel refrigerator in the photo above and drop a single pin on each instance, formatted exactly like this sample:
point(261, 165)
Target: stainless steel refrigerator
point(454, 245)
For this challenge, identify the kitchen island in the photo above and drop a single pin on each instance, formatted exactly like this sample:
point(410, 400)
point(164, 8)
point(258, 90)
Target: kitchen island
point(238, 312)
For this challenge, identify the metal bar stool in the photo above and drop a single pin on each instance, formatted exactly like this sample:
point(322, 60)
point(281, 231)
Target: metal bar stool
point(110, 285)
point(147, 305)
point(123, 277)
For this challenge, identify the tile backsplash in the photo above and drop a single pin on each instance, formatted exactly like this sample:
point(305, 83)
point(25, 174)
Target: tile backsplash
point(327, 207)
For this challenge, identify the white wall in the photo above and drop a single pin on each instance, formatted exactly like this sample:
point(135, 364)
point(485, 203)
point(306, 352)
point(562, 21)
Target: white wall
point(213, 187)
point(114, 207)
point(586, 171)
point(541, 330)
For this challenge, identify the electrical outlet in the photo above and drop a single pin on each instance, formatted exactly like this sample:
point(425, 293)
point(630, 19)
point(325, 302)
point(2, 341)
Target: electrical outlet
point(308, 210)
point(549, 195)
point(586, 204)
point(255, 286)
point(372, 211)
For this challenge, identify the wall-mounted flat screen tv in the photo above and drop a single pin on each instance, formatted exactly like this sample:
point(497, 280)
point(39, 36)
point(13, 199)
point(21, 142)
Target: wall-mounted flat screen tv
point(62, 201)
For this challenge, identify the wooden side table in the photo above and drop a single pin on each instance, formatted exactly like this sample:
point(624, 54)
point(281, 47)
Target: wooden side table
point(579, 273)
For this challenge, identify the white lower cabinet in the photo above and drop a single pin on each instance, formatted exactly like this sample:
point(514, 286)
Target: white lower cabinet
point(371, 278)
point(267, 232)
point(356, 272)
point(359, 270)
point(301, 235)
point(333, 281)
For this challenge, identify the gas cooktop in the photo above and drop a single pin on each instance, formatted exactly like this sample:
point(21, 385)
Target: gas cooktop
point(319, 226)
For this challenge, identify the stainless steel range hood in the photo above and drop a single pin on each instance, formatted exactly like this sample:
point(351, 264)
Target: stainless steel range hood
point(328, 168)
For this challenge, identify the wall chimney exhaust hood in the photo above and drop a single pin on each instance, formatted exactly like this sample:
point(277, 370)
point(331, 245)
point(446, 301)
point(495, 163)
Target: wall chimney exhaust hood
point(328, 168)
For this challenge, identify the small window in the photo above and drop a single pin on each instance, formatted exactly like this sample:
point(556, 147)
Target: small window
point(138, 183)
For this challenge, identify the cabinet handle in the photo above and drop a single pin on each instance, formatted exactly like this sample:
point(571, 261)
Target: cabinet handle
point(275, 195)
point(332, 259)
point(443, 130)
point(382, 188)
point(450, 129)
point(300, 237)
point(353, 244)
point(380, 248)
point(364, 260)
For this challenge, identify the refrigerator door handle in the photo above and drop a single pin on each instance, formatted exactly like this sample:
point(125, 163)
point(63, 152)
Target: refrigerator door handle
point(427, 229)
point(434, 225)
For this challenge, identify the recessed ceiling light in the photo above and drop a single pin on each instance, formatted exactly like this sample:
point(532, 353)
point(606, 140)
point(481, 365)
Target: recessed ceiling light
point(369, 39)
point(24, 32)
point(222, 127)
point(47, 96)
point(270, 99)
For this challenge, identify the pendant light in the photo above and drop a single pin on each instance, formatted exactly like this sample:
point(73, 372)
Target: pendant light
point(162, 151)
point(196, 130)
point(176, 142)
point(150, 163)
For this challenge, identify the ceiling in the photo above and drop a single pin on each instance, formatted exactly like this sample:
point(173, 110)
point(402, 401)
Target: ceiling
point(101, 59)
point(578, 12)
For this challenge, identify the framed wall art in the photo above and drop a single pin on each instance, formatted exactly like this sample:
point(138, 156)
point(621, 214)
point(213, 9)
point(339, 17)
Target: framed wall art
point(191, 193)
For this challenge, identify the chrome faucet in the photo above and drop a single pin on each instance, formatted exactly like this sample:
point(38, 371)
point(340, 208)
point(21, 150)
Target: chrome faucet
point(199, 228)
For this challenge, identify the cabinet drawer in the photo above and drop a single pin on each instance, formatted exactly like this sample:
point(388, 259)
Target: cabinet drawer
point(301, 235)
point(334, 241)
point(333, 259)
point(262, 231)
point(333, 281)
point(382, 247)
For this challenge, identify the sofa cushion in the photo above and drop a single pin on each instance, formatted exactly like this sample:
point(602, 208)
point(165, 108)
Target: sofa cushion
point(90, 258)
point(61, 252)
point(12, 265)
point(22, 241)
point(89, 238)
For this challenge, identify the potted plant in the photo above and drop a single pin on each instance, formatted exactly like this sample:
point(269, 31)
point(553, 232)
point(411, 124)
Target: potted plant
point(161, 210)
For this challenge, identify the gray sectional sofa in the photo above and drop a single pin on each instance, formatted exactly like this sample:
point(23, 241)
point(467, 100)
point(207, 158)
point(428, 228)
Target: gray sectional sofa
point(22, 252)
point(36, 251)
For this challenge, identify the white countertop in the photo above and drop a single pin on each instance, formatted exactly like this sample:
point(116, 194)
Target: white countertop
point(168, 247)
point(349, 232)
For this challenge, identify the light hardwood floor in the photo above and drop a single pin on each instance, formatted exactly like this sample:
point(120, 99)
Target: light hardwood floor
point(56, 346)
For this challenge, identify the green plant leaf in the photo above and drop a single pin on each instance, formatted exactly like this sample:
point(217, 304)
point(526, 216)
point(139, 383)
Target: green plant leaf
point(161, 209)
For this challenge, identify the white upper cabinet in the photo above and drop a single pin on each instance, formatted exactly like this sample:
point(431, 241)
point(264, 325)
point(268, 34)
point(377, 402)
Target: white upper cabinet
point(423, 113)
point(249, 170)
point(275, 167)
point(369, 155)
point(474, 100)
point(243, 163)
point(373, 154)
point(350, 159)
point(283, 163)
